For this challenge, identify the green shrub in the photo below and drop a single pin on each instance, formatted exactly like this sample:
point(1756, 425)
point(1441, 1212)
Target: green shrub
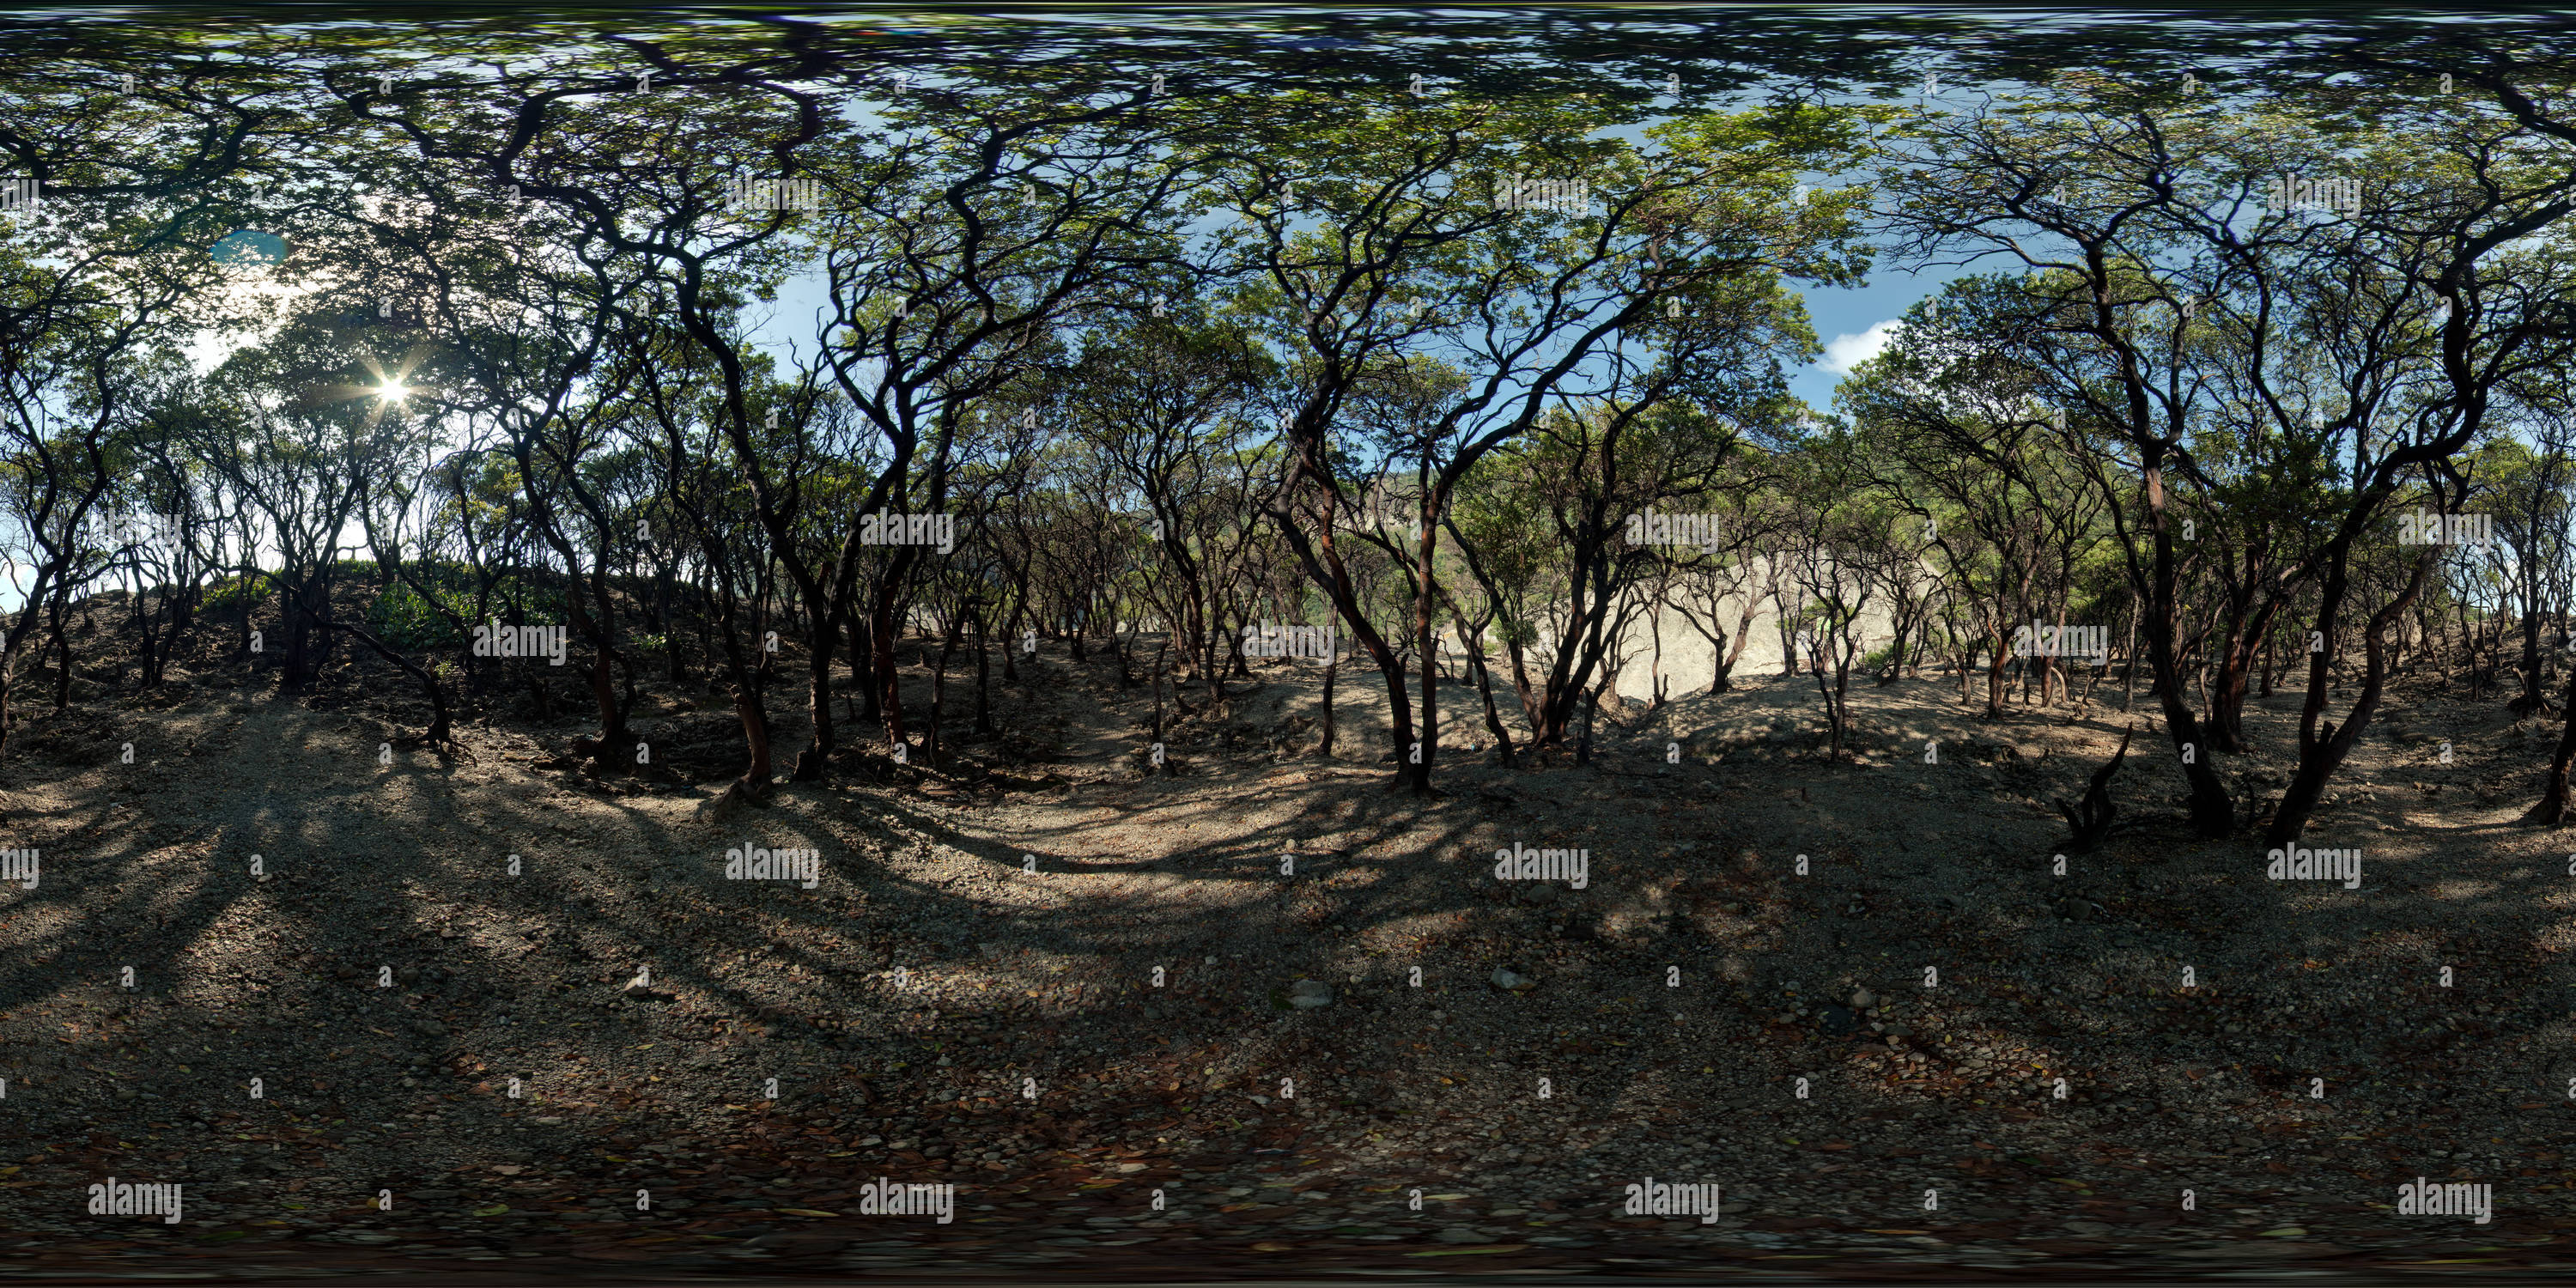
point(227, 596)
point(403, 620)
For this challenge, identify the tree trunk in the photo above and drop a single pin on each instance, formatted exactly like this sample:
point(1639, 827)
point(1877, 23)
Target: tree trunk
point(438, 733)
point(863, 667)
point(1416, 762)
point(1332, 664)
point(2321, 751)
point(2531, 698)
point(939, 687)
point(1999, 646)
point(983, 680)
point(2129, 666)
point(814, 760)
point(1156, 679)
point(2552, 809)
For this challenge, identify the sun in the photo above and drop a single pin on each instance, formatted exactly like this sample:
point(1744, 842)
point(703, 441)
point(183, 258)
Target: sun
point(393, 391)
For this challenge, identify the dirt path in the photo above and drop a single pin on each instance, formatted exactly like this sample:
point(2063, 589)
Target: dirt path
point(386, 977)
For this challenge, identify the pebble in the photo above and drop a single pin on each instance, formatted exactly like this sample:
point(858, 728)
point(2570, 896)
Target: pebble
point(1511, 980)
point(1307, 994)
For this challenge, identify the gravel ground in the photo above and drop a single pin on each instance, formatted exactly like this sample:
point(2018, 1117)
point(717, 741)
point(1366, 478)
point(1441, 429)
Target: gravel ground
point(1288, 1088)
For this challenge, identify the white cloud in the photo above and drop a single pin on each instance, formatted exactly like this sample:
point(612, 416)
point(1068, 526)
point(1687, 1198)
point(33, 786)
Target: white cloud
point(1846, 351)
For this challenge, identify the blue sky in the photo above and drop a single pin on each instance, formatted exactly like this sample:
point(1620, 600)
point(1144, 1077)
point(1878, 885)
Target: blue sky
point(1852, 323)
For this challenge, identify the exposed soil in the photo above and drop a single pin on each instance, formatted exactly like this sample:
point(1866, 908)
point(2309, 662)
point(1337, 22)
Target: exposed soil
point(388, 976)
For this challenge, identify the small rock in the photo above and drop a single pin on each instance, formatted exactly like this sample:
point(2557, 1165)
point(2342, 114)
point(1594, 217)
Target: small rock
point(1275, 1196)
point(1541, 894)
point(1863, 999)
point(1512, 981)
point(429, 1028)
point(1307, 994)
